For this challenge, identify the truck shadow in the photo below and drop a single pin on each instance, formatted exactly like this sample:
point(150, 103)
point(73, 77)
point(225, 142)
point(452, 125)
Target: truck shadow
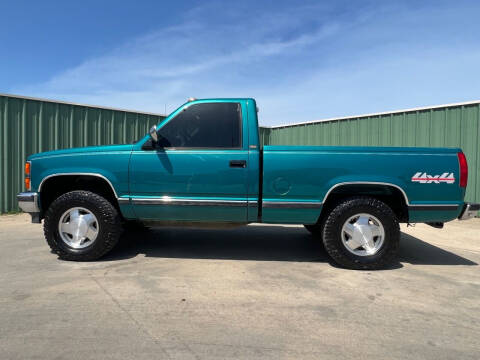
point(416, 251)
point(261, 243)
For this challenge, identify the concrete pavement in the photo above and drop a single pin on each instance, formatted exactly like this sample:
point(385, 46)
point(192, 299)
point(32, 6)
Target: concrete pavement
point(256, 292)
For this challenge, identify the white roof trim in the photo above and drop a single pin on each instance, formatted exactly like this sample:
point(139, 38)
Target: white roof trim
point(77, 104)
point(376, 114)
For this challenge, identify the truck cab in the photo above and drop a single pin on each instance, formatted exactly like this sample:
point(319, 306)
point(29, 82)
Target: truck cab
point(203, 167)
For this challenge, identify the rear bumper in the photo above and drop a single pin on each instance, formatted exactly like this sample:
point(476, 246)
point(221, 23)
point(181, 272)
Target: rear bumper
point(28, 202)
point(469, 211)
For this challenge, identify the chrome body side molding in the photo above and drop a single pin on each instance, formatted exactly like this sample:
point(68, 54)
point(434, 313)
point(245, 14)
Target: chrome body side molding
point(292, 204)
point(166, 200)
point(438, 207)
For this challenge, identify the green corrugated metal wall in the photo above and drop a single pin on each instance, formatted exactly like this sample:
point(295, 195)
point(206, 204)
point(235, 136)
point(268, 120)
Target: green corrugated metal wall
point(444, 126)
point(264, 134)
point(28, 126)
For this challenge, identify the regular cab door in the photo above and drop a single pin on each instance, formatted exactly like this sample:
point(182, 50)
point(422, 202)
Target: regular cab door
point(198, 169)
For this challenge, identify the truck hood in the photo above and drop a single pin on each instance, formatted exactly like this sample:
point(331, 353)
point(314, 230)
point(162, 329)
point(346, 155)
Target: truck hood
point(82, 150)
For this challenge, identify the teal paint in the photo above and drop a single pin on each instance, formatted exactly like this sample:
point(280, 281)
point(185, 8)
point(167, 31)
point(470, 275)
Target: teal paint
point(109, 161)
point(293, 174)
point(295, 165)
point(196, 173)
point(454, 126)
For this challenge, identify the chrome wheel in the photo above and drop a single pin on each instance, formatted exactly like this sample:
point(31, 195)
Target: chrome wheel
point(78, 227)
point(363, 234)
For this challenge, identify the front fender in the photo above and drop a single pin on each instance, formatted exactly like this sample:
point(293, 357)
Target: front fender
point(111, 167)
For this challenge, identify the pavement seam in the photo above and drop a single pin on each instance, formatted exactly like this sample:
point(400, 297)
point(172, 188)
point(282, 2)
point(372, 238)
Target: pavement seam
point(130, 316)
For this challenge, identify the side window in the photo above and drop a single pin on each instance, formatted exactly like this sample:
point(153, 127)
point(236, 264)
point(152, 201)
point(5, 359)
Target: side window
point(208, 125)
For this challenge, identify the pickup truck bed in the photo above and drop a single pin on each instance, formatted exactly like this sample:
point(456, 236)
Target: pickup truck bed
point(294, 176)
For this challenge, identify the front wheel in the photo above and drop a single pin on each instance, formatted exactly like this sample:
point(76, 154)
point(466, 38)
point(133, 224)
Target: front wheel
point(361, 233)
point(81, 226)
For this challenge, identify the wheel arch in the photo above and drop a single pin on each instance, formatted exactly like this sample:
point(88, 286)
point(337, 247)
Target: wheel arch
point(55, 185)
point(391, 194)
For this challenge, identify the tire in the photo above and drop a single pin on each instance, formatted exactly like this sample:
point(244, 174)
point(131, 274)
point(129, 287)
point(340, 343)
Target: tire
point(377, 216)
point(106, 224)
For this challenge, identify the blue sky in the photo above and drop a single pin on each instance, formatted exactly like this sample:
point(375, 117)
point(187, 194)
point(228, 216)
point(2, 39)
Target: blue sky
point(301, 60)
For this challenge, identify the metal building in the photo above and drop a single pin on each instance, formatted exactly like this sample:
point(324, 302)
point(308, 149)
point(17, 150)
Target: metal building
point(29, 125)
point(452, 125)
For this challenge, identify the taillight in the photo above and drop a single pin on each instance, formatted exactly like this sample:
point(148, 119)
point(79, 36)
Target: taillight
point(27, 176)
point(462, 161)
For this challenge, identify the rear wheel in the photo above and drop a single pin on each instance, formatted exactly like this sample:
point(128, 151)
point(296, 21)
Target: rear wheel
point(81, 226)
point(361, 233)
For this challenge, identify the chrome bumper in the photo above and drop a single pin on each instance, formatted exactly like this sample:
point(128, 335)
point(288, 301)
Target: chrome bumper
point(469, 211)
point(28, 202)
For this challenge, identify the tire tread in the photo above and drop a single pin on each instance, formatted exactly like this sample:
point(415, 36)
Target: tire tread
point(333, 245)
point(109, 219)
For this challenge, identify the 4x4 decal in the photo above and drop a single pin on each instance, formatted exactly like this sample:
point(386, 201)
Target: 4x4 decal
point(424, 178)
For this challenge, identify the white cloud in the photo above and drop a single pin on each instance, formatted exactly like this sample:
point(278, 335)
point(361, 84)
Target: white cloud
point(300, 64)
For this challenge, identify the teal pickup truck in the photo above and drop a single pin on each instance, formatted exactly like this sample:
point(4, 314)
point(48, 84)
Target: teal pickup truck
point(204, 166)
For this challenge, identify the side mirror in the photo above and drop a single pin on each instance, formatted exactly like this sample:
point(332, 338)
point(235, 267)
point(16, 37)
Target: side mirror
point(153, 133)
